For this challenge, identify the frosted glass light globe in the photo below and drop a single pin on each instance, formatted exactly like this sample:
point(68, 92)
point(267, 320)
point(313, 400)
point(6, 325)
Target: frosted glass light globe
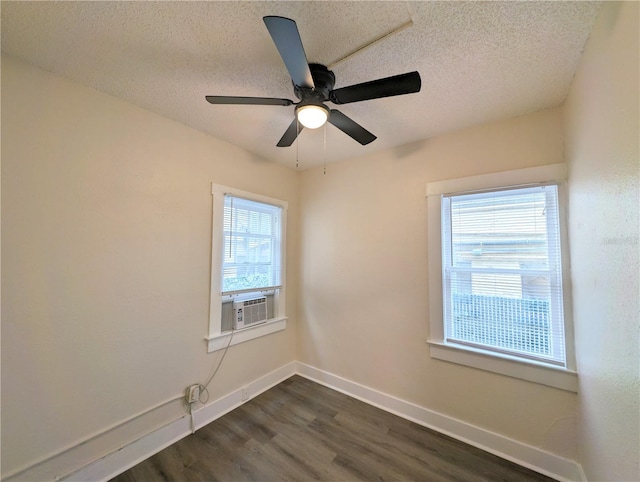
point(312, 116)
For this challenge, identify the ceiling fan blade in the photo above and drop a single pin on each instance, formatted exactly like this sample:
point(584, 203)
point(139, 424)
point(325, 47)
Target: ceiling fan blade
point(397, 85)
point(224, 99)
point(290, 134)
point(285, 35)
point(351, 127)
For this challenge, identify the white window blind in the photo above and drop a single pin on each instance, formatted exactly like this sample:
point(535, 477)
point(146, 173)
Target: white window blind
point(251, 259)
point(502, 274)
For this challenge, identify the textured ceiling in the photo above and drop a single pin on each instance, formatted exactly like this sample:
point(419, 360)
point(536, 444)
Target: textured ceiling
point(479, 61)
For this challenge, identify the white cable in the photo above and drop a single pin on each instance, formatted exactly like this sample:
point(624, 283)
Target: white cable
point(324, 166)
point(203, 388)
point(125, 421)
point(297, 142)
point(193, 426)
point(224, 353)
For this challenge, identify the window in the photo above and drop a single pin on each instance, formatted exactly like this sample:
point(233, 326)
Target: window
point(251, 248)
point(247, 262)
point(502, 278)
point(502, 299)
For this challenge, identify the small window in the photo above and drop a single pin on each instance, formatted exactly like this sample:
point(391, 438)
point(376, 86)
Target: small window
point(251, 248)
point(498, 299)
point(247, 265)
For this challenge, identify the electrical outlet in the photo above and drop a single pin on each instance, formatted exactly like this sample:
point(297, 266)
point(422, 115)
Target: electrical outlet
point(245, 393)
point(192, 394)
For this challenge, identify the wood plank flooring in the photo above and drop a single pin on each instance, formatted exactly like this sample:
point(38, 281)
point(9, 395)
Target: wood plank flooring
point(299, 431)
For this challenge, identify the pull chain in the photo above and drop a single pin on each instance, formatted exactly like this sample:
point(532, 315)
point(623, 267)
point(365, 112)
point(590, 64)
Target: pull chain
point(297, 141)
point(324, 166)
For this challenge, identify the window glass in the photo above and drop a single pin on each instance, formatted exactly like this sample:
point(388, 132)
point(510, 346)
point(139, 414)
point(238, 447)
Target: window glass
point(251, 247)
point(502, 285)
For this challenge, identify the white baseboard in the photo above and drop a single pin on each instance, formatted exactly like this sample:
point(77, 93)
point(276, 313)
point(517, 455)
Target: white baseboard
point(225, 404)
point(131, 454)
point(526, 455)
point(135, 452)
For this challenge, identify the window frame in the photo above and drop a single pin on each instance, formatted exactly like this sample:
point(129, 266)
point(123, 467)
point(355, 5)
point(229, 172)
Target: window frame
point(532, 370)
point(217, 338)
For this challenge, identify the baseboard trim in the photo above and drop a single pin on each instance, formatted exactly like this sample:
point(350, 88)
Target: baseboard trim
point(224, 405)
point(135, 452)
point(131, 454)
point(546, 463)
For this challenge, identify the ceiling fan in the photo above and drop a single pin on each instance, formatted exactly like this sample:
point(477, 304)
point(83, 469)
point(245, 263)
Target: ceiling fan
point(313, 85)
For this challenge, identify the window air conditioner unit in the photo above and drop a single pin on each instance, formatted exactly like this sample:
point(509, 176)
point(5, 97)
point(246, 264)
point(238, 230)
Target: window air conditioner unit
point(249, 312)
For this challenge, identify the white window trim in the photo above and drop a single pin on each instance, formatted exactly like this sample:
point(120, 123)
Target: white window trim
point(217, 339)
point(563, 378)
point(222, 340)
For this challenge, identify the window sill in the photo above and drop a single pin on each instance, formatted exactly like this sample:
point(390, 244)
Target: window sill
point(221, 341)
point(505, 365)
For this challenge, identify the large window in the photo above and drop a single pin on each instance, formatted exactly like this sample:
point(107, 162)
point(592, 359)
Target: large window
point(501, 276)
point(247, 264)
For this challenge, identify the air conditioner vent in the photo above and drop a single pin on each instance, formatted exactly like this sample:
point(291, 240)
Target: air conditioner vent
point(249, 312)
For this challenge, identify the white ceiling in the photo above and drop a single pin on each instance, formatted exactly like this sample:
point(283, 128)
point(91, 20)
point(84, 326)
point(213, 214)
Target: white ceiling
point(479, 61)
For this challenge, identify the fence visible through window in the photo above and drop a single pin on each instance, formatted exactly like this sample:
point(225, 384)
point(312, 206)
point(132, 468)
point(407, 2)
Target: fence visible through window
point(511, 324)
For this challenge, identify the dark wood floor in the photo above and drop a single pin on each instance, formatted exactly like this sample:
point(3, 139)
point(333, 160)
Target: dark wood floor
point(300, 430)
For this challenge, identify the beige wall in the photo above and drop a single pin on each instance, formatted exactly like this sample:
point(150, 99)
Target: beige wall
point(106, 218)
point(363, 310)
point(106, 229)
point(602, 132)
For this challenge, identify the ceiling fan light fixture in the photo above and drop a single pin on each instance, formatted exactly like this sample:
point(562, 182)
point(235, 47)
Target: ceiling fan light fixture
point(313, 85)
point(312, 116)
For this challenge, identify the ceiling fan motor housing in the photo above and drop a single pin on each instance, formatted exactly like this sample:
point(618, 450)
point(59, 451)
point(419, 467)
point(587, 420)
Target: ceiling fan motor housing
point(323, 79)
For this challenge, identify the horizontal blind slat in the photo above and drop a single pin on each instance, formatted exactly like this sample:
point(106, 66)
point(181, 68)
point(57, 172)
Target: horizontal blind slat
point(251, 254)
point(501, 266)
